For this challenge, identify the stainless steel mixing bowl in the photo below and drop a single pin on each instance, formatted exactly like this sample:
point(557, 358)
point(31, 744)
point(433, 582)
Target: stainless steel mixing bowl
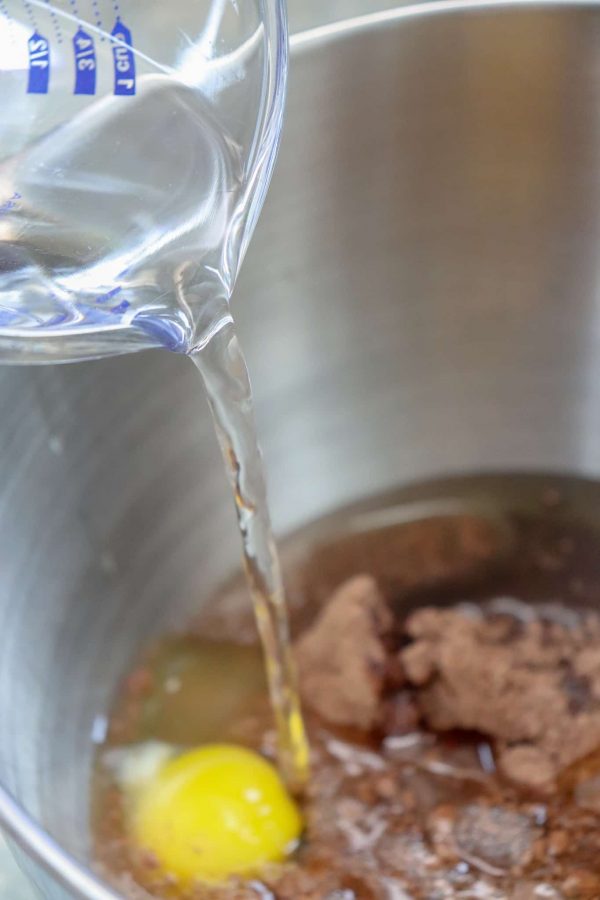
point(422, 297)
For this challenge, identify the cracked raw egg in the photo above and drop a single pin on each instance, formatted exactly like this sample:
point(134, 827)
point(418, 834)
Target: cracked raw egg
point(213, 812)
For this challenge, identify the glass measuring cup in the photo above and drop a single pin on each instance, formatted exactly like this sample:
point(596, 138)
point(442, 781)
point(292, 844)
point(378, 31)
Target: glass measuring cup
point(137, 140)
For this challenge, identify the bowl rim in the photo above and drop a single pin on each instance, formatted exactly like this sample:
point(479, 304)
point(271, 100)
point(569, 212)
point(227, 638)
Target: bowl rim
point(416, 9)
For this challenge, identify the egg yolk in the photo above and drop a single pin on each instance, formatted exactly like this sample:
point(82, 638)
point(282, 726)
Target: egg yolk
point(216, 811)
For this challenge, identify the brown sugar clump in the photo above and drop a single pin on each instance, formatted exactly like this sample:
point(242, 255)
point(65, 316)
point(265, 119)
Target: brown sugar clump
point(342, 658)
point(533, 685)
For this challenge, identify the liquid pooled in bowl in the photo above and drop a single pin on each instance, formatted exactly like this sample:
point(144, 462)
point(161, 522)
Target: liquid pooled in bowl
point(447, 638)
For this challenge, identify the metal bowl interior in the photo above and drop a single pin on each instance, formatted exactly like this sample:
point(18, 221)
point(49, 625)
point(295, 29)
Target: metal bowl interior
point(421, 298)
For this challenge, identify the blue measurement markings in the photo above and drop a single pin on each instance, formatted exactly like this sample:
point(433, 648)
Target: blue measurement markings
point(39, 57)
point(30, 15)
point(39, 64)
point(11, 203)
point(55, 22)
point(84, 50)
point(85, 62)
point(99, 26)
point(123, 59)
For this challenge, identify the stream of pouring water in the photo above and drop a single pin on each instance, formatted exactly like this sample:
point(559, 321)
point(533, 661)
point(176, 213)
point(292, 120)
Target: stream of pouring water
point(225, 375)
point(133, 214)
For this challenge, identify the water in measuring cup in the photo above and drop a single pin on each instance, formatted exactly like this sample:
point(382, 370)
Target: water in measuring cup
point(124, 217)
point(136, 142)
